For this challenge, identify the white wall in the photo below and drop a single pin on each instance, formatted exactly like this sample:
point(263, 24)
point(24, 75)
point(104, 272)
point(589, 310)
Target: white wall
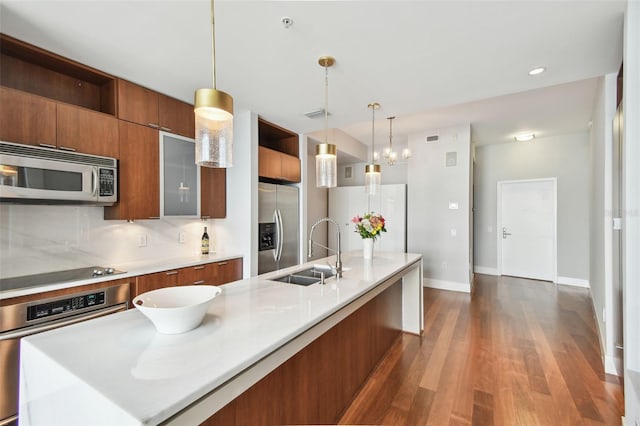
point(390, 174)
point(600, 232)
point(565, 157)
point(238, 232)
point(430, 222)
point(316, 208)
point(631, 231)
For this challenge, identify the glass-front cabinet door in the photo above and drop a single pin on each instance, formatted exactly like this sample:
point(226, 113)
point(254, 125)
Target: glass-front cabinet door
point(179, 177)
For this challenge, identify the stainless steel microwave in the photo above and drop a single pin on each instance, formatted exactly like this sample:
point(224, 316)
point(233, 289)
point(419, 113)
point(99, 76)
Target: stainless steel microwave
point(35, 175)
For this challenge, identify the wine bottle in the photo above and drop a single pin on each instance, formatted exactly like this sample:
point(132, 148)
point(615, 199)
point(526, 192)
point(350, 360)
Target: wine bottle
point(205, 242)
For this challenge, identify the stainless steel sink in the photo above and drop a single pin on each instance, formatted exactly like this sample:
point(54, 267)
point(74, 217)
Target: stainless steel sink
point(309, 276)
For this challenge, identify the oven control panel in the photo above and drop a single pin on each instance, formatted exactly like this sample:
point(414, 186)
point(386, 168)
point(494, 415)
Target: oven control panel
point(57, 307)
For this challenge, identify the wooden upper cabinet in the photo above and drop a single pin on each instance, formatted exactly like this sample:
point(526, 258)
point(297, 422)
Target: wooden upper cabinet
point(26, 118)
point(176, 116)
point(149, 108)
point(278, 165)
point(290, 168)
point(213, 192)
point(269, 163)
point(137, 104)
point(139, 174)
point(87, 131)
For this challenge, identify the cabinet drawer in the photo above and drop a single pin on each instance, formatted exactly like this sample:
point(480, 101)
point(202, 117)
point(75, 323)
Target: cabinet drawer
point(227, 271)
point(194, 275)
point(155, 281)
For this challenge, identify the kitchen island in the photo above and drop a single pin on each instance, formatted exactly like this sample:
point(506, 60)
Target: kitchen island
point(118, 370)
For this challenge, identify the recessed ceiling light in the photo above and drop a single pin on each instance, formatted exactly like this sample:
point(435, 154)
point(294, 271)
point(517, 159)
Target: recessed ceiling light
point(524, 137)
point(537, 71)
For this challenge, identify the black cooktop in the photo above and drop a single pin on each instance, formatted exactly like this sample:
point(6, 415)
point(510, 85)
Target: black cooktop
point(27, 281)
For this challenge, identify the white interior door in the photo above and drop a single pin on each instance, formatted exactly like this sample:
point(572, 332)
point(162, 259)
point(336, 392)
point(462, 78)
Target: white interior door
point(527, 228)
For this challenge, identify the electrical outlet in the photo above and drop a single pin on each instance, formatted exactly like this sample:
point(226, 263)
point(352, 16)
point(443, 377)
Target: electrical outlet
point(444, 265)
point(182, 236)
point(142, 240)
point(453, 232)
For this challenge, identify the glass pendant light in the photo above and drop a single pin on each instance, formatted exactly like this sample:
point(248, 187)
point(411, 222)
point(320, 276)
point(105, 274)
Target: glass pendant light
point(326, 153)
point(214, 118)
point(372, 175)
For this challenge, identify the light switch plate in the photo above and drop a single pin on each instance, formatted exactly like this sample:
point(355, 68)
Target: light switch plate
point(453, 205)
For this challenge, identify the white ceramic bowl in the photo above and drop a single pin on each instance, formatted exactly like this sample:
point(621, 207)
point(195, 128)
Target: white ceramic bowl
point(176, 310)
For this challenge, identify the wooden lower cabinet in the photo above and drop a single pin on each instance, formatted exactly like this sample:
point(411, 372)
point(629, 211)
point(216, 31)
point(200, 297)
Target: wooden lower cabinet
point(214, 273)
point(226, 271)
point(194, 275)
point(316, 385)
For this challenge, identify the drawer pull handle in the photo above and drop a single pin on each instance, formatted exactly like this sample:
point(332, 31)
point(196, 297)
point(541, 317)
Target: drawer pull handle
point(198, 282)
point(154, 217)
point(222, 263)
point(46, 145)
point(197, 268)
point(154, 125)
point(166, 129)
point(66, 148)
point(171, 273)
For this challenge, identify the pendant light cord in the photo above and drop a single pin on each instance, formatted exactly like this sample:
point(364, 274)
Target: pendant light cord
point(326, 104)
point(213, 45)
point(373, 134)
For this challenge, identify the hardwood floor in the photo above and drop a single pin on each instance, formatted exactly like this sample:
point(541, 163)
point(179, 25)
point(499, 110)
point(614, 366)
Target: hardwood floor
point(517, 352)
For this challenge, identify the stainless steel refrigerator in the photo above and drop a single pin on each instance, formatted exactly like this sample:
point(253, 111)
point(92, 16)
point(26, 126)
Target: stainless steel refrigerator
point(278, 239)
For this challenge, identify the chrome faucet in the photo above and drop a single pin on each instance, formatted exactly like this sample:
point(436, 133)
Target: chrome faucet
point(338, 252)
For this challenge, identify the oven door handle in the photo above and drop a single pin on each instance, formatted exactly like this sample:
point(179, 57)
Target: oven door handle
point(44, 327)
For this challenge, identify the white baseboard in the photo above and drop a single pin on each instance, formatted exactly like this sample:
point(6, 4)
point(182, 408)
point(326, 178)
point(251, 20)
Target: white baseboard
point(447, 285)
point(576, 282)
point(485, 270)
point(613, 366)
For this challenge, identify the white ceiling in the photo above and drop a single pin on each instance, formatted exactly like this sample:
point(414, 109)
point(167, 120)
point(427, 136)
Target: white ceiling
point(429, 63)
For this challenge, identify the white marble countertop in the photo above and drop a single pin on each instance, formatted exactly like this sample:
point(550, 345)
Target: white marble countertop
point(132, 269)
point(142, 377)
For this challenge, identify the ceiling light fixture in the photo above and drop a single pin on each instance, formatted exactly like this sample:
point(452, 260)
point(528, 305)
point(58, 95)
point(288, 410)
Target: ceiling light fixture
point(326, 153)
point(524, 137)
point(537, 71)
point(390, 155)
point(214, 118)
point(372, 175)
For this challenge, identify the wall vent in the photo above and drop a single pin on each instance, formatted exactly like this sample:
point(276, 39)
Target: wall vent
point(432, 138)
point(316, 113)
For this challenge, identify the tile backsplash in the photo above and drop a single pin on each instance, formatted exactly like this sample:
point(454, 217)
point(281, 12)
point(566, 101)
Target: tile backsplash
point(36, 239)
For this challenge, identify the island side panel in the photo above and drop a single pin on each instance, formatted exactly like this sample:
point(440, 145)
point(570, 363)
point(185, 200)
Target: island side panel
point(317, 384)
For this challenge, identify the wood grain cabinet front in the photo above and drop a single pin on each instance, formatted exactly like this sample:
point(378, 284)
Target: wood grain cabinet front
point(227, 271)
point(140, 105)
point(34, 120)
point(139, 174)
point(277, 165)
point(213, 192)
point(148, 282)
point(195, 275)
point(87, 131)
point(26, 118)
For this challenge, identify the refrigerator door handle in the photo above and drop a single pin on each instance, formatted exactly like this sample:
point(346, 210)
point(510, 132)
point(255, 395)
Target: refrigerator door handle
point(280, 235)
point(275, 250)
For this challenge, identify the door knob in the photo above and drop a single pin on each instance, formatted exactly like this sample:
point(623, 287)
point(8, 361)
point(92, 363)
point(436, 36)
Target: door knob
point(505, 233)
